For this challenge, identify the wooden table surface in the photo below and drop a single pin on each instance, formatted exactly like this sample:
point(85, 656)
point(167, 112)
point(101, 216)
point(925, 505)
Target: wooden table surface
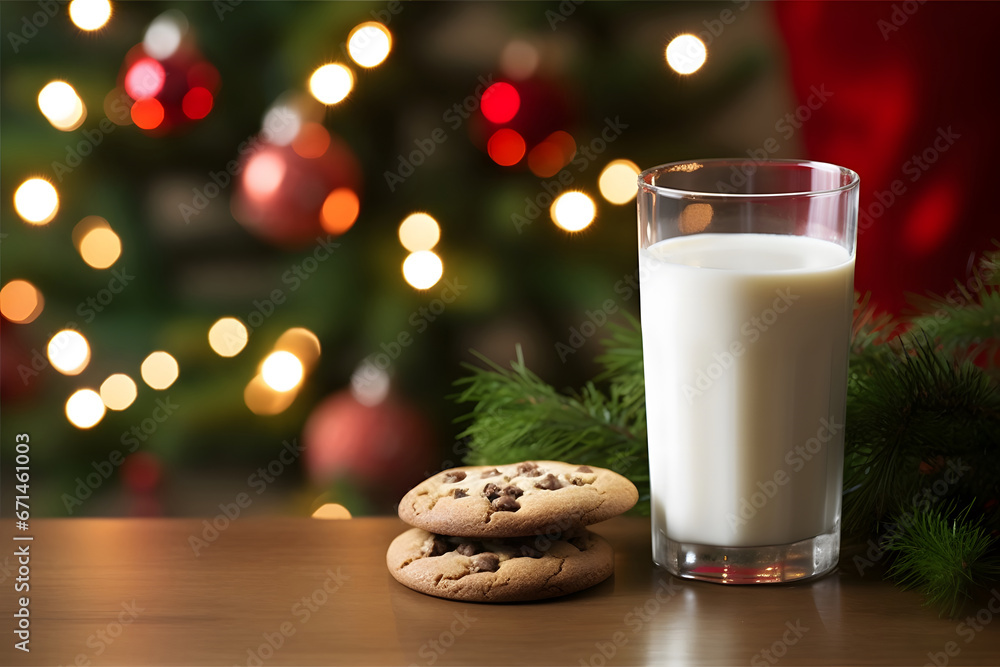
point(312, 592)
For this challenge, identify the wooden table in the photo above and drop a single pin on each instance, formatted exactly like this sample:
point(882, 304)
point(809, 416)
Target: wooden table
point(311, 592)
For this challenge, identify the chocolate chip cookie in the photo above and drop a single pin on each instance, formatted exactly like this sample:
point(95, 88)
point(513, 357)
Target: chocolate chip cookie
point(500, 570)
point(527, 498)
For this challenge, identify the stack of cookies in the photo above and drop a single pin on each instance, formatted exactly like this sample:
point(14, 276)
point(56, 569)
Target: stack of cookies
point(508, 533)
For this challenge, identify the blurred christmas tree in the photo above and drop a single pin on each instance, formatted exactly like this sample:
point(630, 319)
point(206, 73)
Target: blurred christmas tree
point(205, 167)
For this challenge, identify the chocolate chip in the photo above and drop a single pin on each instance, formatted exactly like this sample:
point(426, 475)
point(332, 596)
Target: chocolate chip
point(491, 491)
point(489, 473)
point(577, 481)
point(506, 504)
point(467, 549)
point(452, 477)
point(528, 469)
point(438, 547)
point(513, 491)
point(549, 482)
point(485, 562)
point(530, 552)
point(584, 469)
point(460, 493)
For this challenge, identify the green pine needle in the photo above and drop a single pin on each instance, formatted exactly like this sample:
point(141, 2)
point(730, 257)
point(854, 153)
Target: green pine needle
point(943, 553)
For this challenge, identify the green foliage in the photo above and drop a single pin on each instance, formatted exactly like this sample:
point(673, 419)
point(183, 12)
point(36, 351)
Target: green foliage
point(944, 553)
point(518, 416)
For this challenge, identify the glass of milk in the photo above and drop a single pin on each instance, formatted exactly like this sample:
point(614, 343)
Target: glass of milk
point(746, 275)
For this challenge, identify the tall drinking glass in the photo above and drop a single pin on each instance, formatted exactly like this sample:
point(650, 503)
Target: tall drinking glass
point(747, 281)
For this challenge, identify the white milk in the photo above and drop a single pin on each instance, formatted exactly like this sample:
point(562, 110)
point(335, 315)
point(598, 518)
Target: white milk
point(745, 340)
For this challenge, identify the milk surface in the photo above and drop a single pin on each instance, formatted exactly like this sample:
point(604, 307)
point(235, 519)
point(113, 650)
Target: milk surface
point(745, 342)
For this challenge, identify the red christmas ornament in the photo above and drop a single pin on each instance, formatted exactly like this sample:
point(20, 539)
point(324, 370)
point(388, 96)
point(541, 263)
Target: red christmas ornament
point(387, 446)
point(290, 195)
point(166, 81)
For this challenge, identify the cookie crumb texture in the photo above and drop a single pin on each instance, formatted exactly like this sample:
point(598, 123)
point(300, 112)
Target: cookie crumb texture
point(525, 498)
point(501, 570)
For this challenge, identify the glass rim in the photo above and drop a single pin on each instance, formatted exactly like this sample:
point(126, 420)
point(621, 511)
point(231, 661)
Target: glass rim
point(855, 179)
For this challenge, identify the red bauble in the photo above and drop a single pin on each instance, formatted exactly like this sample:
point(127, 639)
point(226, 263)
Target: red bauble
point(290, 195)
point(387, 446)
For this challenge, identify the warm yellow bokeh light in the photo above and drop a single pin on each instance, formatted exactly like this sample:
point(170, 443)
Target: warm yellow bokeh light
point(118, 391)
point(282, 371)
point(68, 352)
point(332, 511)
point(301, 342)
point(331, 83)
point(422, 269)
point(100, 248)
point(619, 181)
point(84, 408)
point(573, 211)
point(36, 201)
point(21, 302)
point(419, 231)
point(686, 54)
point(159, 370)
point(262, 400)
point(89, 14)
point(369, 44)
point(228, 337)
point(60, 104)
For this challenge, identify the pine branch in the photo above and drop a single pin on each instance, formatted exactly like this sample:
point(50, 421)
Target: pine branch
point(944, 553)
point(518, 416)
point(912, 408)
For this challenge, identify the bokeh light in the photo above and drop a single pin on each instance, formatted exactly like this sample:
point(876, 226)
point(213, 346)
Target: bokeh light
point(301, 342)
point(370, 384)
point(89, 14)
point(422, 269)
point(686, 54)
point(573, 211)
point(159, 370)
point(147, 114)
point(419, 231)
point(500, 102)
point(281, 125)
point(263, 175)
point(118, 106)
point(340, 210)
point(695, 218)
point(118, 391)
point(197, 103)
point(228, 336)
point(519, 60)
point(331, 83)
point(36, 201)
point(282, 371)
point(369, 44)
point(618, 181)
point(100, 248)
point(61, 105)
point(332, 511)
point(68, 352)
point(506, 147)
point(84, 409)
point(262, 400)
point(144, 79)
point(552, 154)
point(21, 302)
point(312, 141)
point(164, 34)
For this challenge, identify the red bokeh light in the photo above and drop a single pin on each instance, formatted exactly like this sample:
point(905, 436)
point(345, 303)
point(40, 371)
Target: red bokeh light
point(204, 75)
point(144, 79)
point(147, 114)
point(501, 102)
point(197, 103)
point(506, 147)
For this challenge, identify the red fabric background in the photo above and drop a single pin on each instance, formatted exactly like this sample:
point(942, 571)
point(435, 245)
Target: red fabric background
point(892, 92)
